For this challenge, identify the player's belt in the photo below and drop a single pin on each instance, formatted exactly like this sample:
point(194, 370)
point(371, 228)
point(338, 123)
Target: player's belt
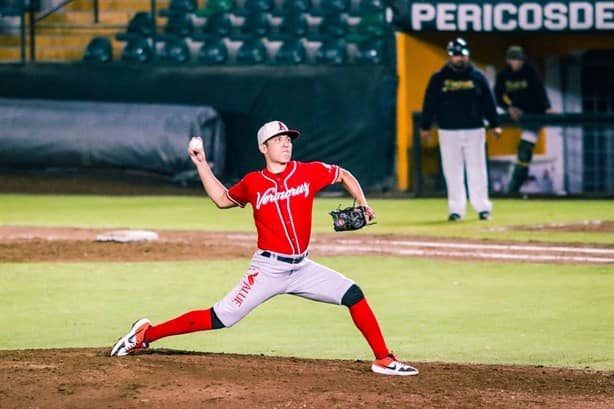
point(290, 260)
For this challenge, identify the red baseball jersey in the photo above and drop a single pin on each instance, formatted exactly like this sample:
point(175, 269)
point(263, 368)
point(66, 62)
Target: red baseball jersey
point(283, 203)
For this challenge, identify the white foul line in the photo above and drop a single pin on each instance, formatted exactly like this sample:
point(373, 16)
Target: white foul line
point(499, 256)
point(474, 246)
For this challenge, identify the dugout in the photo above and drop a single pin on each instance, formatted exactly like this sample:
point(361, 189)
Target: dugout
point(571, 44)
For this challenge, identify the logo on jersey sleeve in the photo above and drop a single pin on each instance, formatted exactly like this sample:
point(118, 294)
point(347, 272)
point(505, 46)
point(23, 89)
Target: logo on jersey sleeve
point(271, 195)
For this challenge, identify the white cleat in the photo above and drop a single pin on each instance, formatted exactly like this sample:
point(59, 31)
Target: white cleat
point(134, 340)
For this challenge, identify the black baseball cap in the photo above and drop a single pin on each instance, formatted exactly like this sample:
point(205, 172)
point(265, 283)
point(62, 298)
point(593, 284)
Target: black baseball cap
point(458, 46)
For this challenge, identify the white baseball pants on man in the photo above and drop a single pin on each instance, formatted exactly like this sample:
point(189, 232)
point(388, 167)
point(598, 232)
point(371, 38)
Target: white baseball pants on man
point(267, 278)
point(461, 150)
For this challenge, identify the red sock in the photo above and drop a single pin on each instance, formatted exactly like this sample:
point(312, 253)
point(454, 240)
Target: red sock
point(197, 320)
point(365, 321)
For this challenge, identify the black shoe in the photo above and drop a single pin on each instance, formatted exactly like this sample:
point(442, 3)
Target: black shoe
point(484, 216)
point(454, 217)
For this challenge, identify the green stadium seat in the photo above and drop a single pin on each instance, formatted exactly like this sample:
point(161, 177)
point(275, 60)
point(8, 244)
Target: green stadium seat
point(183, 6)
point(175, 51)
point(293, 25)
point(296, 6)
point(332, 52)
point(213, 52)
point(252, 51)
point(179, 24)
point(371, 25)
point(216, 25)
point(214, 7)
point(137, 50)
point(369, 6)
point(99, 50)
point(292, 51)
point(140, 25)
point(261, 6)
point(370, 52)
point(333, 25)
point(256, 24)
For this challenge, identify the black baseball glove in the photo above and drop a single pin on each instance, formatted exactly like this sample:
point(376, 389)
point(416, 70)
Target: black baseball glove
point(350, 218)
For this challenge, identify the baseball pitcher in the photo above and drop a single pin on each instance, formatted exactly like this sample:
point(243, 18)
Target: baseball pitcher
point(281, 196)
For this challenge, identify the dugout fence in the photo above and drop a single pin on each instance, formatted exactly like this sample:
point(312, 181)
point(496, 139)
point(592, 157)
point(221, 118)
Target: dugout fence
point(578, 160)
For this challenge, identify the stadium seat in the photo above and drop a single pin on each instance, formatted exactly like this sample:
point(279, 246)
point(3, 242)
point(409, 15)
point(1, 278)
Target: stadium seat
point(256, 24)
point(296, 6)
point(213, 52)
point(293, 25)
point(331, 6)
point(183, 6)
point(292, 51)
point(370, 52)
point(217, 25)
point(369, 6)
point(137, 50)
point(252, 51)
point(371, 25)
point(213, 7)
point(332, 52)
point(333, 25)
point(175, 51)
point(179, 24)
point(141, 24)
point(252, 6)
point(99, 50)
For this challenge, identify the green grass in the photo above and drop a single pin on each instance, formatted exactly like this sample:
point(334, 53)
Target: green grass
point(430, 310)
point(558, 315)
point(402, 216)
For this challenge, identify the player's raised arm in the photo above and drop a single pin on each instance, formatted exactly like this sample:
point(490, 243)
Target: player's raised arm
point(214, 188)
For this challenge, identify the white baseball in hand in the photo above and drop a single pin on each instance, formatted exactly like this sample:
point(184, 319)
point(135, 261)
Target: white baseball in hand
point(196, 144)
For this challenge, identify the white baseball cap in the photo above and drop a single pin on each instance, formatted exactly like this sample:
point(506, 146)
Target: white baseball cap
point(275, 128)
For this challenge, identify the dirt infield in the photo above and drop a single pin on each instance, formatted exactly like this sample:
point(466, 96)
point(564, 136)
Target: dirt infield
point(20, 244)
point(78, 378)
point(169, 379)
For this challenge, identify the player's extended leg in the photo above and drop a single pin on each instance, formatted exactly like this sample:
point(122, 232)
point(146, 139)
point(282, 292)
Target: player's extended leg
point(521, 168)
point(142, 333)
point(252, 290)
point(453, 171)
point(319, 283)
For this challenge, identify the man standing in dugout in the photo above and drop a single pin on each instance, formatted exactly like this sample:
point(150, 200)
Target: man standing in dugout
point(458, 99)
point(519, 90)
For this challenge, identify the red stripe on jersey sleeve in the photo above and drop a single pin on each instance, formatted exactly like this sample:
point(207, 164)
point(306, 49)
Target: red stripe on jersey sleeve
point(238, 193)
point(234, 200)
point(323, 174)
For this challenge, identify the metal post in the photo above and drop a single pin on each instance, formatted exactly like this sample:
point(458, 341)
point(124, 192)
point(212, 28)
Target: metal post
point(96, 11)
point(155, 27)
point(32, 35)
point(416, 173)
point(22, 34)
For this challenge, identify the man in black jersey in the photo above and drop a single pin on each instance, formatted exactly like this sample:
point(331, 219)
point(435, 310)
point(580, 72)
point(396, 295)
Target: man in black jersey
point(458, 98)
point(519, 90)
